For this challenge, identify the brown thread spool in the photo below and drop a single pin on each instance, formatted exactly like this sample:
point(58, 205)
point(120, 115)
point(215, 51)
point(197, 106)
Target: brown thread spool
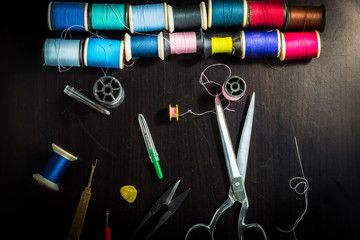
point(305, 18)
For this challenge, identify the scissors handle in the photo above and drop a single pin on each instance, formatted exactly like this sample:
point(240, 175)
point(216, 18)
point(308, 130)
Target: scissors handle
point(211, 226)
point(242, 226)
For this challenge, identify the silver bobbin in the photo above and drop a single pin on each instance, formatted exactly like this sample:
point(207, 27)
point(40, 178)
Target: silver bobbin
point(234, 88)
point(108, 91)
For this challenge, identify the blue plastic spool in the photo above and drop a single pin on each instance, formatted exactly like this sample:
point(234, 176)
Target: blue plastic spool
point(104, 53)
point(148, 18)
point(55, 168)
point(63, 15)
point(260, 43)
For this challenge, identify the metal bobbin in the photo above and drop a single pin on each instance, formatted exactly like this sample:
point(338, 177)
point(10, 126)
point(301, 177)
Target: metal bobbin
point(108, 91)
point(234, 88)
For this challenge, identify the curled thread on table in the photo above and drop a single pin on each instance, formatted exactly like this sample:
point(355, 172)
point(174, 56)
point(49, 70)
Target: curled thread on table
point(261, 43)
point(301, 182)
point(305, 18)
point(267, 14)
point(147, 18)
point(107, 16)
point(103, 53)
point(205, 82)
point(55, 168)
point(227, 13)
point(62, 15)
point(300, 45)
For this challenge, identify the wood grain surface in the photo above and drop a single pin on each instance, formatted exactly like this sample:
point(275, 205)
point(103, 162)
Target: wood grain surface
point(317, 101)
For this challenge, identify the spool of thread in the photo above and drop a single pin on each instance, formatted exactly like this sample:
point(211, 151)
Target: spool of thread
point(148, 18)
point(260, 43)
point(107, 16)
point(104, 53)
point(182, 42)
point(144, 46)
point(62, 15)
point(300, 45)
point(55, 168)
point(174, 112)
point(227, 13)
point(267, 14)
point(187, 17)
point(63, 53)
point(305, 18)
point(234, 88)
point(222, 45)
point(203, 44)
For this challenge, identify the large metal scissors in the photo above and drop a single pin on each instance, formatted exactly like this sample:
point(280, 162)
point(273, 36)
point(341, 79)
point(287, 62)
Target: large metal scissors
point(236, 168)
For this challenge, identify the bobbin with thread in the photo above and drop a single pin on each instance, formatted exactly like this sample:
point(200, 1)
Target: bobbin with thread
point(141, 49)
point(260, 43)
point(55, 168)
point(105, 53)
point(233, 88)
point(63, 52)
point(300, 45)
point(148, 18)
point(222, 45)
point(63, 15)
point(174, 112)
point(227, 13)
point(267, 14)
point(180, 43)
point(187, 17)
point(108, 16)
point(305, 18)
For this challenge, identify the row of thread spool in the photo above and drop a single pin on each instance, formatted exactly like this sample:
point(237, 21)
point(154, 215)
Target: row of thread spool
point(107, 53)
point(274, 14)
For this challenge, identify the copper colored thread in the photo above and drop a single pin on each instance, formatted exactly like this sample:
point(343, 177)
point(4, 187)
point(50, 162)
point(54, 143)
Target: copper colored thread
point(306, 19)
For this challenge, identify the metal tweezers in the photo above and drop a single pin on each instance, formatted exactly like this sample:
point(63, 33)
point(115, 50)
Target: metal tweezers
point(165, 199)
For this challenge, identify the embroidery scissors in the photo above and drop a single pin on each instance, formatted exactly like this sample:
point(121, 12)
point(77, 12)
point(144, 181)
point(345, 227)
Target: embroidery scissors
point(165, 199)
point(236, 168)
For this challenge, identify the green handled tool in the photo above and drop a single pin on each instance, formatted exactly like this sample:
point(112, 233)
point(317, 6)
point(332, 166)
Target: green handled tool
point(150, 145)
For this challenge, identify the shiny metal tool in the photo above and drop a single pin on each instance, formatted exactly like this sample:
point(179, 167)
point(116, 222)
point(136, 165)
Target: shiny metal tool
point(72, 92)
point(165, 199)
point(236, 167)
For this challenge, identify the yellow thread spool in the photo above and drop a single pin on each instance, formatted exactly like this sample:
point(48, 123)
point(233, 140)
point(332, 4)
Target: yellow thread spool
point(222, 45)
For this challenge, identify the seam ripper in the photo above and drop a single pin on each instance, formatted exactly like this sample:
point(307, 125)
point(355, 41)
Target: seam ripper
point(79, 218)
point(150, 145)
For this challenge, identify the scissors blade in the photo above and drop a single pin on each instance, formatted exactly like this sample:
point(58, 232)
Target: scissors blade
point(243, 151)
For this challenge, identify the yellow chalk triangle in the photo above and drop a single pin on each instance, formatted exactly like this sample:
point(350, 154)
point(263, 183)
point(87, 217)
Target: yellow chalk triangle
point(129, 193)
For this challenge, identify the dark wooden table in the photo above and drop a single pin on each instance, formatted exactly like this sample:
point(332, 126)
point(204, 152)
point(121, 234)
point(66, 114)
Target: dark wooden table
point(317, 101)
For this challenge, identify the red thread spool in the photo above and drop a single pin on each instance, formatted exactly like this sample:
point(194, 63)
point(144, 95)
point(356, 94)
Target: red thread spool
point(267, 14)
point(174, 112)
point(300, 45)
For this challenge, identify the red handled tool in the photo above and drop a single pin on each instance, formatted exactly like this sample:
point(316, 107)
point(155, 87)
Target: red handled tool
point(107, 229)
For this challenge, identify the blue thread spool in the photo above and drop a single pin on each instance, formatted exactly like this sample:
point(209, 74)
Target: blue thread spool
point(148, 18)
point(104, 53)
point(260, 44)
point(55, 168)
point(106, 16)
point(62, 15)
point(227, 13)
point(144, 46)
point(61, 52)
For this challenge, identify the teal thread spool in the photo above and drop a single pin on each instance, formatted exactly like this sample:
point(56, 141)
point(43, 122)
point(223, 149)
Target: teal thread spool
point(55, 168)
point(106, 16)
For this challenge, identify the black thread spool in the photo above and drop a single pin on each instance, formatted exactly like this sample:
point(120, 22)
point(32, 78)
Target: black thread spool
point(187, 17)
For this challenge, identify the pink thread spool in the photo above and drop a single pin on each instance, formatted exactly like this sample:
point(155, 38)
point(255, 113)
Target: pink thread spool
point(182, 42)
point(300, 45)
point(234, 88)
point(174, 112)
point(267, 14)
